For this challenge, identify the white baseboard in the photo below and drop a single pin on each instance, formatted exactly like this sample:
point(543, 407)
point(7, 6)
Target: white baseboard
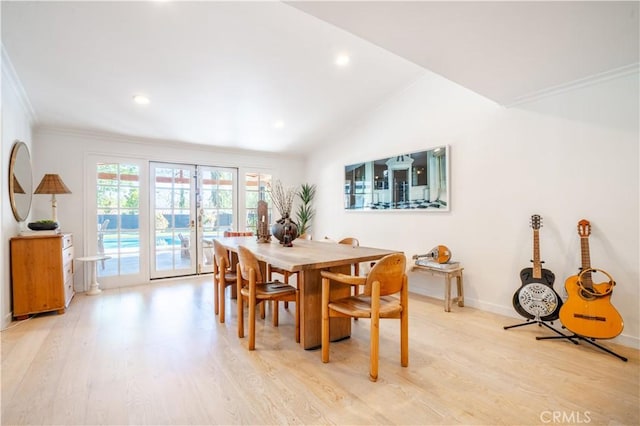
point(6, 321)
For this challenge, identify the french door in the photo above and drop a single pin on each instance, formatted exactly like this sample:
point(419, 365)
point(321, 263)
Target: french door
point(173, 230)
point(190, 206)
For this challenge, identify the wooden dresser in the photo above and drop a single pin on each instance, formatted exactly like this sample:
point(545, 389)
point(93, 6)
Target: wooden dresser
point(41, 273)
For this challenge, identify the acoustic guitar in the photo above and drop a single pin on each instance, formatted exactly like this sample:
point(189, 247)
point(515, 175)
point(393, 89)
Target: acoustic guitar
point(536, 298)
point(588, 310)
point(439, 254)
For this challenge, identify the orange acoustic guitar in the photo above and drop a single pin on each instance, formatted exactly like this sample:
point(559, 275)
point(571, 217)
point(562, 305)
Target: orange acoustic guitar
point(588, 310)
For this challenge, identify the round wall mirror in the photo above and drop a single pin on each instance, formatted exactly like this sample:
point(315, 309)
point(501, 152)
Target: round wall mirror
point(20, 181)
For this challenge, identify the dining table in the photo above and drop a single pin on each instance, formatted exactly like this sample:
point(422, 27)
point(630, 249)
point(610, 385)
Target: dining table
point(309, 258)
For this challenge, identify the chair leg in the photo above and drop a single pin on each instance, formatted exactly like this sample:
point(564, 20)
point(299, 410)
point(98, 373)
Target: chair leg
point(215, 294)
point(221, 301)
point(252, 323)
point(404, 338)
point(286, 281)
point(404, 324)
point(356, 289)
point(374, 354)
point(356, 273)
point(240, 316)
point(375, 331)
point(275, 313)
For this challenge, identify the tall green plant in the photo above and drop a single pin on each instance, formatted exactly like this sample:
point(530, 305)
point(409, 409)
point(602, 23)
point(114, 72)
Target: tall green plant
point(305, 210)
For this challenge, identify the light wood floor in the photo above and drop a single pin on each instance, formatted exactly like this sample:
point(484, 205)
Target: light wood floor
point(157, 355)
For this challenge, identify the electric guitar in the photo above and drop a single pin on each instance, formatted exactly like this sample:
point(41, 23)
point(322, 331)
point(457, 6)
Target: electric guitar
point(536, 297)
point(588, 310)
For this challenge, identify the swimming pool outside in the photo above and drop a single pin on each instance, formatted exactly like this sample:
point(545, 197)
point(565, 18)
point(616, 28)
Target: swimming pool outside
point(132, 241)
point(127, 242)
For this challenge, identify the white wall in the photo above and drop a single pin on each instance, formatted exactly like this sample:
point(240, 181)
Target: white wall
point(16, 125)
point(66, 152)
point(566, 157)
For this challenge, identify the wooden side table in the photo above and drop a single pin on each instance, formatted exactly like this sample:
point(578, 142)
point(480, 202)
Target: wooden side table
point(447, 274)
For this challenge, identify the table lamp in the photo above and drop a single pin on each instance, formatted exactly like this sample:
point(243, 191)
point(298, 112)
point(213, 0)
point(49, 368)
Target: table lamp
point(52, 184)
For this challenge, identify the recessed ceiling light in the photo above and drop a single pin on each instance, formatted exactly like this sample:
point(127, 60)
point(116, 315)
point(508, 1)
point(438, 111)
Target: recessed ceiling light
point(342, 60)
point(278, 124)
point(141, 99)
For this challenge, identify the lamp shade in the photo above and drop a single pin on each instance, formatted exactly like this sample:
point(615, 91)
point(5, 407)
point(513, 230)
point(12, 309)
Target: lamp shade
point(17, 188)
point(52, 184)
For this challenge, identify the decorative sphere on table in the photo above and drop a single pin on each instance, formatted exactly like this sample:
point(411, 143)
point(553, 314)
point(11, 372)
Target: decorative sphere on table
point(285, 230)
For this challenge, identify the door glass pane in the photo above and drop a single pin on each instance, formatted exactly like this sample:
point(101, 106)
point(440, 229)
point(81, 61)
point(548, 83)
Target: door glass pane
point(217, 191)
point(117, 197)
point(172, 213)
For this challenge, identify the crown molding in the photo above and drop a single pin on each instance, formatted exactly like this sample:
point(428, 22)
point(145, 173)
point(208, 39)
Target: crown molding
point(10, 79)
point(141, 140)
point(576, 84)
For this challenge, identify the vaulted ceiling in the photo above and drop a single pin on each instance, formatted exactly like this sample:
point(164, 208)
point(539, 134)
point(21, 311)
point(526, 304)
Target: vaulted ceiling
point(262, 75)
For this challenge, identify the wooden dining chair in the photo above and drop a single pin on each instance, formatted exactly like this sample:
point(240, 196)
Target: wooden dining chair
point(285, 274)
point(285, 277)
point(223, 277)
point(238, 233)
point(243, 234)
point(388, 277)
point(353, 242)
point(253, 289)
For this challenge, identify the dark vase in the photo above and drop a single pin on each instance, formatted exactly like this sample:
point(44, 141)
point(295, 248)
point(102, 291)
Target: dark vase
point(285, 230)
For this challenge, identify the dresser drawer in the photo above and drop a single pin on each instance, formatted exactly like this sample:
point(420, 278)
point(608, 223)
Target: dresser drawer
point(67, 256)
point(67, 268)
point(68, 291)
point(67, 241)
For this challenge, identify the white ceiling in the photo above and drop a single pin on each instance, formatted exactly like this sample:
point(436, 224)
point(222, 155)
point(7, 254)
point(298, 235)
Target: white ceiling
point(505, 51)
point(222, 73)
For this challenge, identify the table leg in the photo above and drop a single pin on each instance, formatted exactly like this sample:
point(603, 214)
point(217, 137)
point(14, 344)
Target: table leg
point(447, 293)
point(310, 287)
point(460, 291)
point(94, 288)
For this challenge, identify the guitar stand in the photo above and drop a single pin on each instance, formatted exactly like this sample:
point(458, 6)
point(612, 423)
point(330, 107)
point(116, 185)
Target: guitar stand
point(541, 323)
point(585, 339)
